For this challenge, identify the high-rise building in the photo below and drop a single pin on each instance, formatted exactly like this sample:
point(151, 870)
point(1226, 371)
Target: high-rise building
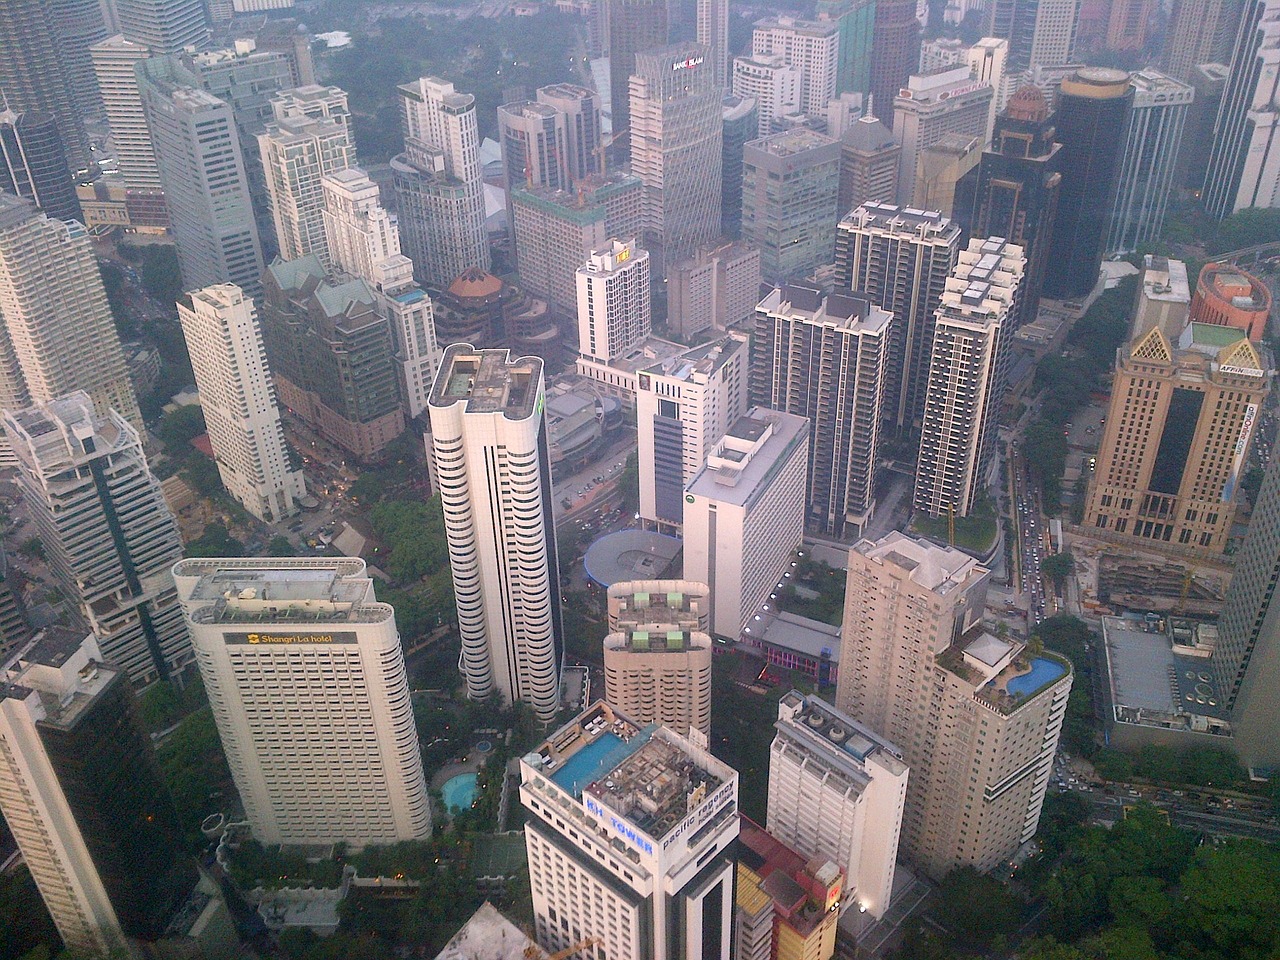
point(940, 53)
point(1127, 25)
point(309, 138)
point(718, 288)
point(1145, 178)
point(239, 402)
point(713, 33)
point(534, 147)
point(738, 125)
point(114, 60)
point(79, 24)
point(494, 471)
point(856, 22)
point(1178, 431)
point(1199, 31)
point(632, 27)
point(988, 59)
point(584, 157)
point(197, 151)
point(869, 158)
point(931, 107)
point(1244, 160)
point(660, 672)
point(1163, 299)
point(896, 54)
point(843, 112)
point(824, 358)
point(83, 796)
point(684, 405)
point(633, 602)
point(676, 141)
point(164, 26)
point(942, 167)
point(33, 164)
point(790, 189)
point(438, 182)
point(1231, 297)
point(306, 678)
point(615, 306)
point(811, 45)
point(744, 514)
point(1040, 32)
point(15, 628)
point(836, 792)
point(1208, 81)
point(977, 717)
point(967, 375)
point(900, 259)
point(629, 835)
point(364, 241)
point(1093, 108)
point(59, 332)
point(772, 83)
point(108, 535)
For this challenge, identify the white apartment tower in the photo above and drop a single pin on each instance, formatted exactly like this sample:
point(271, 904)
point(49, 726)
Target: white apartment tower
point(837, 791)
point(107, 532)
point(615, 308)
point(494, 472)
point(811, 45)
point(773, 83)
point(684, 405)
point(229, 360)
point(364, 241)
point(629, 832)
point(967, 377)
point(114, 60)
point(744, 514)
point(308, 687)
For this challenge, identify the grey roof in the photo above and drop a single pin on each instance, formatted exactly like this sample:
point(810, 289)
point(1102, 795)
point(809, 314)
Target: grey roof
point(869, 135)
point(810, 637)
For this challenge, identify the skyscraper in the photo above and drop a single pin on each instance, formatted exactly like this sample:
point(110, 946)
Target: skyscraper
point(719, 287)
point(772, 83)
point(494, 471)
point(108, 535)
point(164, 26)
point(738, 124)
point(896, 54)
point(977, 718)
point(1231, 297)
point(534, 145)
point(306, 677)
point(239, 402)
point(1199, 31)
point(658, 671)
point(932, 106)
point(1092, 116)
point(1244, 160)
point(580, 107)
point(83, 796)
point(615, 309)
point(629, 830)
point(856, 22)
point(869, 158)
point(59, 332)
point(1127, 26)
point(79, 24)
point(1178, 430)
point(675, 149)
point(114, 60)
point(899, 259)
point(33, 164)
point(713, 33)
point(823, 357)
point(438, 182)
point(633, 26)
point(811, 45)
point(1040, 32)
point(967, 377)
point(309, 138)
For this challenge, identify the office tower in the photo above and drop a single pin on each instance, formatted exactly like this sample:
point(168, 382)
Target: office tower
point(1244, 160)
point(988, 59)
point(633, 602)
point(629, 832)
point(900, 259)
point(790, 189)
point(164, 26)
point(108, 535)
point(1163, 299)
point(1208, 80)
point(1092, 116)
point(895, 53)
point(869, 158)
point(783, 899)
point(557, 230)
point(684, 405)
point(438, 182)
point(738, 125)
point(78, 25)
point(309, 138)
point(718, 288)
point(1127, 25)
point(977, 717)
point(836, 792)
point(811, 45)
point(713, 33)
point(330, 350)
point(59, 331)
point(1053, 41)
point(1229, 297)
point(824, 358)
point(929, 108)
point(1245, 660)
point(197, 152)
point(966, 377)
point(632, 26)
point(615, 308)
point(230, 364)
point(308, 686)
point(35, 76)
point(941, 53)
point(33, 164)
point(1145, 179)
point(583, 155)
point(494, 473)
point(1172, 450)
point(534, 147)
point(676, 141)
point(1013, 193)
point(82, 793)
point(1199, 31)
point(660, 672)
point(843, 112)
point(855, 21)
point(364, 241)
point(942, 167)
point(114, 60)
point(772, 83)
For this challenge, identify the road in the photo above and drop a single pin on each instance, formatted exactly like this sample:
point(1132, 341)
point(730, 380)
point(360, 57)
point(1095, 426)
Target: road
point(1030, 543)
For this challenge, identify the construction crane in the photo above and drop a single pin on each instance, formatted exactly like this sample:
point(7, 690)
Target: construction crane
point(534, 953)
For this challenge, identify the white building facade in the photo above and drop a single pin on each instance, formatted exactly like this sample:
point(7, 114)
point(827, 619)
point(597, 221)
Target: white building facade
point(773, 83)
point(615, 309)
point(811, 45)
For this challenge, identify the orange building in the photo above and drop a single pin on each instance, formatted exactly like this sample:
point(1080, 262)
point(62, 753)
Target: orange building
point(1229, 297)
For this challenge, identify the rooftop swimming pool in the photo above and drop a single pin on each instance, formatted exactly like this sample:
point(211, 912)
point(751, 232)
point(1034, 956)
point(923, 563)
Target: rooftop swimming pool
point(583, 767)
point(1043, 670)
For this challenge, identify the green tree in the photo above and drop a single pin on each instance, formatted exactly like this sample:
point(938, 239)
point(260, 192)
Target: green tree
point(178, 428)
point(281, 546)
point(414, 532)
point(975, 907)
point(1247, 228)
point(32, 548)
point(1232, 892)
point(25, 924)
point(1058, 568)
point(215, 542)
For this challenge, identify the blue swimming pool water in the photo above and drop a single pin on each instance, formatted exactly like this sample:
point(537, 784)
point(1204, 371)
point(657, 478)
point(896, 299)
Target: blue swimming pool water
point(459, 792)
point(579, 769)
point(1043, 670)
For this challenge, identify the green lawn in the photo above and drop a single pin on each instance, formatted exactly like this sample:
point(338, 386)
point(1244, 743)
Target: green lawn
point(976, 532)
